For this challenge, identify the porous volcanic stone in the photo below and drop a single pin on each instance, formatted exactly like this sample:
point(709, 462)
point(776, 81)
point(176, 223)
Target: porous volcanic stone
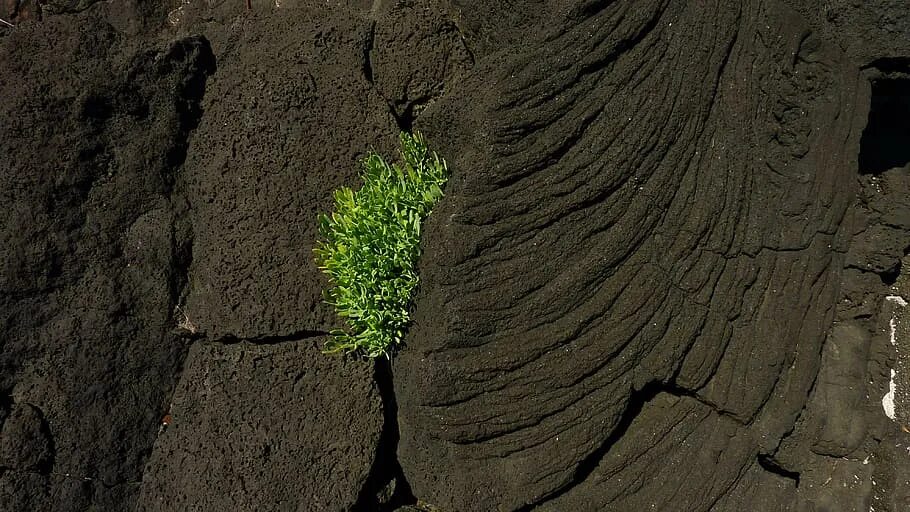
point(645, 218)
point(93, 126)
point(265, 427)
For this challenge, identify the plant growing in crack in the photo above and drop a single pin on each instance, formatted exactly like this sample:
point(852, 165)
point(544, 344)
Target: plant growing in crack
point(184, 321)
point(370, 246)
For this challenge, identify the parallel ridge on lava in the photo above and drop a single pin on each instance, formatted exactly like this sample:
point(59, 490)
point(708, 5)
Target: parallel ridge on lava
point(645, 206)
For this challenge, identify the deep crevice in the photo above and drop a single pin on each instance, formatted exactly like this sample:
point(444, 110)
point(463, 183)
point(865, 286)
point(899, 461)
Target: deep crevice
point(200, 64)
point(404, 117)
point(890, 65)
point(194, 58)
point(386, 487)
point(6, 407)
point(636, 403)
point(888, 276)
point(301, 335)
point(770, 465)
point(45, 467)
point(885, 142)
point(181, 255)
point(367, 53)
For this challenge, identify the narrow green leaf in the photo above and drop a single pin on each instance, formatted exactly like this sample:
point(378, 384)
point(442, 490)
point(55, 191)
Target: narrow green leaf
point(370, 244)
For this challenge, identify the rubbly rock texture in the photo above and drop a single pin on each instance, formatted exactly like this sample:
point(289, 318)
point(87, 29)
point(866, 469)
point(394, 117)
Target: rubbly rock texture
point(26, 443)
point(639, 258)
point(166, 193)
point(93, 130)
point(243, 410)
point(303, 116)
point(412, 55)
point(867, 31)
point(669, 273)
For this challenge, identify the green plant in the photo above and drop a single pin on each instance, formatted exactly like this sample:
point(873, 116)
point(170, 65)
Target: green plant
point(370, 245)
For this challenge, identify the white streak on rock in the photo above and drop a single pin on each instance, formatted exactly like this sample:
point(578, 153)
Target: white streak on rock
point(900, 301)
point(888, 399)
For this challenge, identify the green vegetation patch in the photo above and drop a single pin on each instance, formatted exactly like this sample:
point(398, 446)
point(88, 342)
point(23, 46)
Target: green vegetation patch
point(370, 246)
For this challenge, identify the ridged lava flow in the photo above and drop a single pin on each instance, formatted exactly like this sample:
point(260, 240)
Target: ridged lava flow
point(643, 227)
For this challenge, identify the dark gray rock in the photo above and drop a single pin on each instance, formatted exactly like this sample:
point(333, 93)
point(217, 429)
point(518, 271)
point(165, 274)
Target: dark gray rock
point(648, 199)
point(626, 295)
point(90, 250)
point(299, 120)
point(25, 442)
point(265, 427)
point(414, 55)
point(841, 391)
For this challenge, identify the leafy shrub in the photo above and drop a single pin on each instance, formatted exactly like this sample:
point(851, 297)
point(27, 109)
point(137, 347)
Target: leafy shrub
point(371, 243)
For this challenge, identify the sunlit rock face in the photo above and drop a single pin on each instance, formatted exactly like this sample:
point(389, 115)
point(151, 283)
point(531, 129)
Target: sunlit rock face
point(625, 295)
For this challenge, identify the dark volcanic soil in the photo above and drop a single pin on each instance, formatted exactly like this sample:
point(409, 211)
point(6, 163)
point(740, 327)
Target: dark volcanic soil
point(668, 273)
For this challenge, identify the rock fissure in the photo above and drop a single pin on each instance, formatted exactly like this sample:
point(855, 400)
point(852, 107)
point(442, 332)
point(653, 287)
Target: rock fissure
point(649, 233)
point(770, 465)
point(386, 487)
point(368, 51)
point(272, 339)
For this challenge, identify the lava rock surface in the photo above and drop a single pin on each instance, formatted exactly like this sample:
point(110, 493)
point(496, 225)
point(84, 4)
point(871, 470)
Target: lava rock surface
point(669, 272)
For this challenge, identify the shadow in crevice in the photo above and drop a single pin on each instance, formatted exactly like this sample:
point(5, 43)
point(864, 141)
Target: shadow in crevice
point(885, 143)
point(195, 56)
point(368, 53)
point(889, 276)
point(636, 404)
point(386, 488)
point(770, 465)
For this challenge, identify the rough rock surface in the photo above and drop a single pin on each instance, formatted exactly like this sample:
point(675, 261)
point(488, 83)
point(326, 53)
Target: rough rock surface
point(132, 239)
point(868, 31)
point(666, 246)
point(600, 331)
point(303, 116)
point(93, 130)
point(242, 410)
